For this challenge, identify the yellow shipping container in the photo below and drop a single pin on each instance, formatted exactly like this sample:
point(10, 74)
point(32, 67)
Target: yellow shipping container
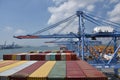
point(42, 72)
point(14, 56)
point(11, 66)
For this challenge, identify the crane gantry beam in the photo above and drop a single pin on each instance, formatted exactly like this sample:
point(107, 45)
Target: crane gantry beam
point(70, 35)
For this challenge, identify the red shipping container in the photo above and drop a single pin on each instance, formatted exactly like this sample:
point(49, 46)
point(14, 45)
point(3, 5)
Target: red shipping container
point(58, 56)
point(22, 57)
point(75, 75)
point(84, 65)
point(42, 56)
point(73, 71)
point(73, 56)
point(35, 56)
point(72, 64)
point(95, 75)
point(23, 74)
point(68, 56)
point(7, 57)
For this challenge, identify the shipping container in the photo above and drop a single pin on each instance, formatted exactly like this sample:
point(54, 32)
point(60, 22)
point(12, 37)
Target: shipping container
point(52, 56)
point(40, 56)
point(47, 56)
point(43, 56)
point(5, 74)
point(42, 72)
point(63, 56)
point(6, 63)
point(20, 56)
point(7, 57)
point(58, 56)
point(72, 65)
point(75, 75)
point(58, 72)
point(15, 56)
point(74, 72)
point(94, 75)
point(23, 74)
point(34, 57)
point(84, 65)
point(28, 56)
point(11, 66)
point(68, 56)
point(73, 56)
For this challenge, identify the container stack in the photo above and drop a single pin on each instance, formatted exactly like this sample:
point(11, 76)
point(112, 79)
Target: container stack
point(47, 65)
point(49, 70)
point(42, 56)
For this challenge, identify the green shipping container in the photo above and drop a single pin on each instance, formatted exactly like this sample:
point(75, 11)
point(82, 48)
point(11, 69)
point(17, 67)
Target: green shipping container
point(47, 56)
point(58, 72)
point(52, 56)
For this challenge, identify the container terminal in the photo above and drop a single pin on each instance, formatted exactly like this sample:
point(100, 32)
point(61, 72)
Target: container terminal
point(78, 60)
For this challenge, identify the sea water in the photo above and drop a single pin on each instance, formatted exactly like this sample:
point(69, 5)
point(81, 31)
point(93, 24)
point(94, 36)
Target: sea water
point(25, 49)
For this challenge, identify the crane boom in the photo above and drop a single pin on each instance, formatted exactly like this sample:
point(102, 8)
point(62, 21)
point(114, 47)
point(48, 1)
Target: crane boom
point(26, 37)
point(70, 35)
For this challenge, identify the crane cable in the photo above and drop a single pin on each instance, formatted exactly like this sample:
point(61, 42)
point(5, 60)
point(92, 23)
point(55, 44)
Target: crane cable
point(55, 25)
point(99, 23)
point(92, 21)
point(107, 22)
point(67, 24)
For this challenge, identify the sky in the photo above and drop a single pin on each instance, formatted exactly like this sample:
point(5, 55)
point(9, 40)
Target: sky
point(20, 17)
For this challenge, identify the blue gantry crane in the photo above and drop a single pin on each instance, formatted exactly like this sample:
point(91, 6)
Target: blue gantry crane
point(83, 38)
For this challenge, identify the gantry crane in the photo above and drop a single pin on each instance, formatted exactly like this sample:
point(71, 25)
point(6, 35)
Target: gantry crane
point(82, 37)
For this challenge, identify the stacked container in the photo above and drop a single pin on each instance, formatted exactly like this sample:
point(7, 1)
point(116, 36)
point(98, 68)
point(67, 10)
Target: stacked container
point(47, 66)
point(73, 71)
point(42, 56)
point(91, 72)
point(58, 72)
point(49, 70)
